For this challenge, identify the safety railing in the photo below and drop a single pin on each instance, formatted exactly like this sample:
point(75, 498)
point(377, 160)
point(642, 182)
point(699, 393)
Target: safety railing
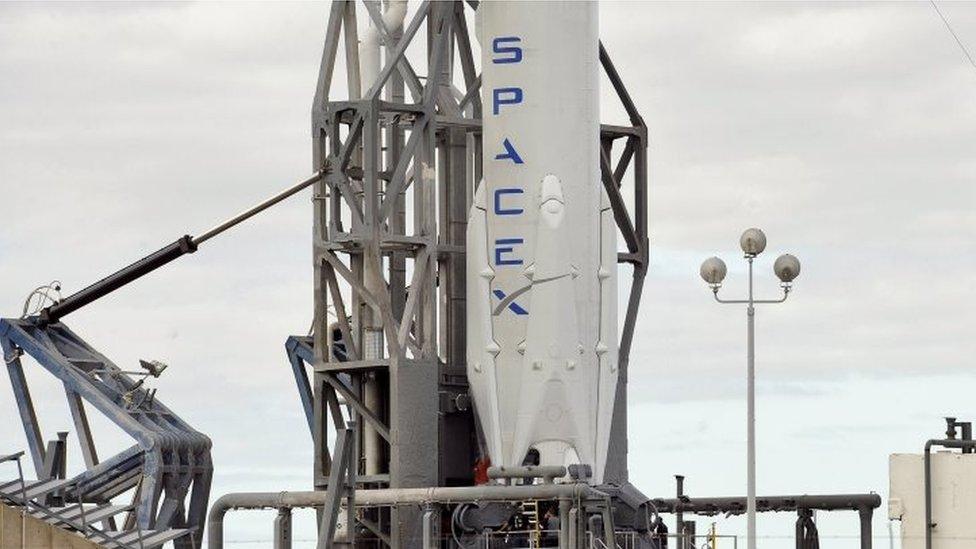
point(31, 507)
point(697, 541)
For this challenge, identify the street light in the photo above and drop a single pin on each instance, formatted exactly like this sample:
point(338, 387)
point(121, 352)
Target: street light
point(713, 270)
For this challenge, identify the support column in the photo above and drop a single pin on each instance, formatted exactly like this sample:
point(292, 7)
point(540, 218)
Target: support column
point(25, 404)
point(414, 452)
point(282, 529)
point(865, 514)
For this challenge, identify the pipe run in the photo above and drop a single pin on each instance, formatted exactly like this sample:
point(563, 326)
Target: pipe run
point(390, 497)
point(864, 504)
point(708, 506)
point(548, 473)
point(370, 46)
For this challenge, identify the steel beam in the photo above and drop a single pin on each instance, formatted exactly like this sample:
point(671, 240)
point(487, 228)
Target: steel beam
point(25, 404)
point(337, 489)
point(380, 150)
point(170, 463)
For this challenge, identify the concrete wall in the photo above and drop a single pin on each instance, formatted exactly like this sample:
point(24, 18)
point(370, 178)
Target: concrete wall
point(19, 532)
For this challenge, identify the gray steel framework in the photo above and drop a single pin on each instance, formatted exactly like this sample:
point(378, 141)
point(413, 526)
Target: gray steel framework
point(168, 470)
point(401, 160)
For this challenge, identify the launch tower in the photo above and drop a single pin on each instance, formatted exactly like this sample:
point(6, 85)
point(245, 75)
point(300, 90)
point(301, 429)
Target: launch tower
point(442, 358)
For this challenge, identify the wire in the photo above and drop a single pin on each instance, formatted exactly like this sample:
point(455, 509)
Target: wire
point(953, 33)
point(47, 293)
point(13, 356)
point(329, 311)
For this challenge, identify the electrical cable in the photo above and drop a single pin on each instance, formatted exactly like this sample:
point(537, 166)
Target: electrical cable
point(44, 297)
point(953, 33)
point(455, 517)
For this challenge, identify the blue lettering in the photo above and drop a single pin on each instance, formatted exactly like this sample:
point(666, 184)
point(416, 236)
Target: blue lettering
point(509, 53)
point(510, 153)
point(499, 210)
point(513, 306)
point(505, 96)
point(503, 246)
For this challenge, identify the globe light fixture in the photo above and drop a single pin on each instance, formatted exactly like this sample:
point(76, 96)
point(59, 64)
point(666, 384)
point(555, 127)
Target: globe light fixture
point(787, 268)
point(713, 271)
point(753, 242)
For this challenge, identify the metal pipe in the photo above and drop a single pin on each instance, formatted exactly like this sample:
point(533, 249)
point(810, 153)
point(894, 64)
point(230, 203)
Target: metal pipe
point(251, 212)
point(608, 533)
point(573, 541)
point(865, 514)
point(394, 16)
point(546, 472)
point(751, 419)
point(564, 528)
point(967, 434)
point(388, 497)
point(186, 244)
point(950, 428)
point(428, 527)
point(282, 529)
point(373, 444)
point(945, 443)
point(183, 245)
point(679, 517)
point(594, 526)
point(707, 506)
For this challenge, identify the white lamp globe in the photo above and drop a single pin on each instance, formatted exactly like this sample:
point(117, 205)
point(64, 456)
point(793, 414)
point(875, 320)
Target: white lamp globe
point(753, 241)
point(713, 271)
point(787, 268)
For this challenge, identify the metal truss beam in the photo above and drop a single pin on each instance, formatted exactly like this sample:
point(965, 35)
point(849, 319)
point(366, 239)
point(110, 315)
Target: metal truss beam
point(169, 468)
point(402, 159)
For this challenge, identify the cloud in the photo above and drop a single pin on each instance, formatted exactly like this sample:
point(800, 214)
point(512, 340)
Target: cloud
point(840, 129)
point(844, 130)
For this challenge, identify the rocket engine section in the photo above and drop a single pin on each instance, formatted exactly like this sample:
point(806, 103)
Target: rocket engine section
point(541, 242)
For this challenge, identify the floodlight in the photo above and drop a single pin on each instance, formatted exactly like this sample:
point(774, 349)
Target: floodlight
point(154, 367)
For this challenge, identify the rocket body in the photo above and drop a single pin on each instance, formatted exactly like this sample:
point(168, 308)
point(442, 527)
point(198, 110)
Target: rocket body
point(541, 259)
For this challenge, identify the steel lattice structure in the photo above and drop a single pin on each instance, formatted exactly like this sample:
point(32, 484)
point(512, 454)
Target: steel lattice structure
point(168, 470)
point(401, 161)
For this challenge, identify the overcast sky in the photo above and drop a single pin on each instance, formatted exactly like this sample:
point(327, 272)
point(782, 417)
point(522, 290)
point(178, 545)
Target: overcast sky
point(846, 131)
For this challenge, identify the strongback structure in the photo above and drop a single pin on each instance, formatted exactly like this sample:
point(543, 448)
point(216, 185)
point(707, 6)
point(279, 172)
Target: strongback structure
point(164, 478)
point(399, 146)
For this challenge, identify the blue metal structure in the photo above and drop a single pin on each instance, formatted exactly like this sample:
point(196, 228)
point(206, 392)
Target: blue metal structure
point(168, 470)
point(300, 353)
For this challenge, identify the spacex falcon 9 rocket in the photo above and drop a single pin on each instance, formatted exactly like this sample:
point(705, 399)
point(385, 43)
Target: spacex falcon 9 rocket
point(541, 242)
point(505, 210)
point(465, 238)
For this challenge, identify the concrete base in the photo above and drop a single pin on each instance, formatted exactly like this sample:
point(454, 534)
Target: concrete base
point(26, 532)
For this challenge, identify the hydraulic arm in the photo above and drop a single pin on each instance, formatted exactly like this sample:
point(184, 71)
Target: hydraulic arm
point(186, 244)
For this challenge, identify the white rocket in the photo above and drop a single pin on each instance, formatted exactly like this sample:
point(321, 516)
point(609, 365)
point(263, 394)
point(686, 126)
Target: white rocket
point(541, 242)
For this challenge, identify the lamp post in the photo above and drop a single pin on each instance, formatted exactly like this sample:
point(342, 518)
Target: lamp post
point(713, 270)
